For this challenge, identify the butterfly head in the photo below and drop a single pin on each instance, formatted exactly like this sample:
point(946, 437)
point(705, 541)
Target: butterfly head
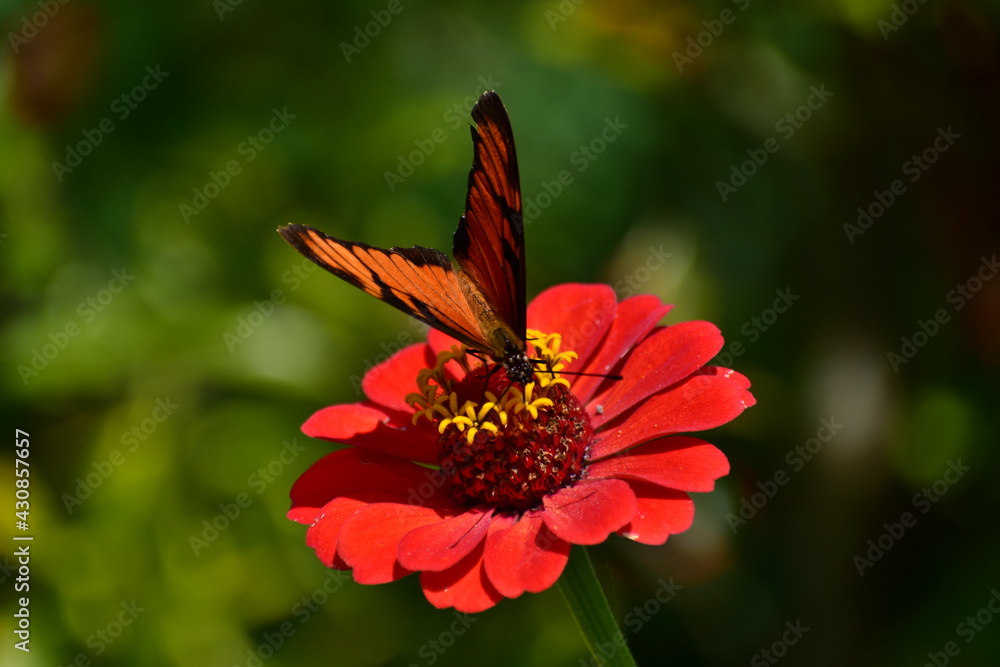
point(519, 368)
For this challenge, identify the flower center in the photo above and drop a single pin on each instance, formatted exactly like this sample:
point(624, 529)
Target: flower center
point(499, 445)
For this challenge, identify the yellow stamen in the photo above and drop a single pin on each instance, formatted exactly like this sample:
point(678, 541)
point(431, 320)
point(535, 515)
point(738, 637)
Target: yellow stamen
point(437, 400)
point(485, 409)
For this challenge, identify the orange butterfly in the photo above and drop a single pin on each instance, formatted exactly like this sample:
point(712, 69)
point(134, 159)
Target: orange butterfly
point(480, 300)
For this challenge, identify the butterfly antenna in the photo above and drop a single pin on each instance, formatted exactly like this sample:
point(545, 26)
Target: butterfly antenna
point(548, 369)
point(606, 376)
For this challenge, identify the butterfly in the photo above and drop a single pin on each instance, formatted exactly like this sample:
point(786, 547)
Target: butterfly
point(480, 298)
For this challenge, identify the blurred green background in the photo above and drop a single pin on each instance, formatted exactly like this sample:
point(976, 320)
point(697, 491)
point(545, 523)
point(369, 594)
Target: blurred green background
point(160, 340)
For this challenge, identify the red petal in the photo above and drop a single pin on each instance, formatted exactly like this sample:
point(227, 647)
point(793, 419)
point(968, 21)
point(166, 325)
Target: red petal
point(635, 318)
point(438, 546)
point(698, 403)
point(343, 483)
point(305, 515)
point(678, 462)
point(668, 356)
point(718, 371)
point(369, 539)
point(659, 513)
point(589, 511)
point(464, 586)
point(344, 472)
point(324, 534)
point(439, 341)
point(374, 428)
point(359, 473)
point(523, 555)
point(580, 313)
point(389, 383)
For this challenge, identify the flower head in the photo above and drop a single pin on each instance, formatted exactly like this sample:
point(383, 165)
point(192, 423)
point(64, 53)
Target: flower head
point(482, 485)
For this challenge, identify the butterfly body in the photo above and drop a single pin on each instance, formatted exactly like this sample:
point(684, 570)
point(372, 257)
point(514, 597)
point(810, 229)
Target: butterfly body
point(480, 299)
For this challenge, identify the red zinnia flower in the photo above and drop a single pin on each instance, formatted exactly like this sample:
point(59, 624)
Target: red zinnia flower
point(482, 487)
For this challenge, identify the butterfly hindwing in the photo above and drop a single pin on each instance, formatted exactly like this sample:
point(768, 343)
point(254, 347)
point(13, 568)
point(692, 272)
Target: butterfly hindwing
point(418, 281)
point(489, 242)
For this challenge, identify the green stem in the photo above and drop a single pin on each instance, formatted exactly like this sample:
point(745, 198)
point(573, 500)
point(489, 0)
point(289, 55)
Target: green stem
point(582, 590)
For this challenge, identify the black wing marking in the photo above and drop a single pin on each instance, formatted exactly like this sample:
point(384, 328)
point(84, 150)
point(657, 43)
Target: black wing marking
point(489, 242)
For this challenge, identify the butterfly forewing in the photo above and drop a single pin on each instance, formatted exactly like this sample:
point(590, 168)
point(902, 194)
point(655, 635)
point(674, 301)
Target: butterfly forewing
point(489, 242)
point(418, 281)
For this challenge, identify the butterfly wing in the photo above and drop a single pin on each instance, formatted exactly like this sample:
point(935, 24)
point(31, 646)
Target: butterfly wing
point(482, 303)
point(489, 242)
point(418, 281)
